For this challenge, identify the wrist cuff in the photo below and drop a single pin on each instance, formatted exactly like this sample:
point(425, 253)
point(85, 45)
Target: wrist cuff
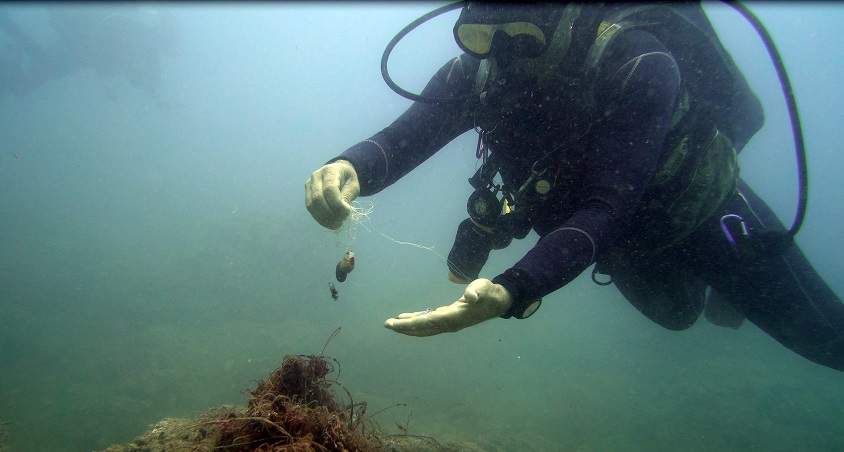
point(520, 286)
point(371, 164)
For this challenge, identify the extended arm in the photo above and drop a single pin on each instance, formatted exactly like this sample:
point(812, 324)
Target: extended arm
point(373, 164)
point(418, 133)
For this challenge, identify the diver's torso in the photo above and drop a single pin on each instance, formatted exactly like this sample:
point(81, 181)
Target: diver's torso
point(543, 129)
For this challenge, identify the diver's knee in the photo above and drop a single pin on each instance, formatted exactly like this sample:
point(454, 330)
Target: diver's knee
point(832, 356)
point(679, 324)
point(668, 315)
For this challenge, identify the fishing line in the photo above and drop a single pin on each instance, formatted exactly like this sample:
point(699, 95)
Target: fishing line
point(359, 217)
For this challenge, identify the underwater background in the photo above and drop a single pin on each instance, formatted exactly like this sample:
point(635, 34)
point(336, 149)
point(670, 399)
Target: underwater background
point(156, 256)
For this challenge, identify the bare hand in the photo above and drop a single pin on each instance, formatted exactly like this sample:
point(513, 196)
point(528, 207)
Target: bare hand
point(482, 300)
point(329, 192)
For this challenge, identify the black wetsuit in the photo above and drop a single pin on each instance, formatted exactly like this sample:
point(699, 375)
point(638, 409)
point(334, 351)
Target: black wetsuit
point(603, 160)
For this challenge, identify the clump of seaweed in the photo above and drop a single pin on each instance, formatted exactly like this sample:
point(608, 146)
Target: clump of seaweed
point(295, 409)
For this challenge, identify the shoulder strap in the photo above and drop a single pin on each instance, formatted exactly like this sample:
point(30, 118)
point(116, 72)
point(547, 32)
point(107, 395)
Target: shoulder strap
point(609, 29)
point(711, 78)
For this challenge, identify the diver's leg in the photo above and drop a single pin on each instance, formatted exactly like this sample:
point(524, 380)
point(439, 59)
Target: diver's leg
point(719, 311)
point(662, 289)
point(779, 292)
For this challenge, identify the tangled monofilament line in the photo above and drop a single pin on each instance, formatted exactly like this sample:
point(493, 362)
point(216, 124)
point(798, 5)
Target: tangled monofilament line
point(359, 214)
point(361, 211)
point(359, 217)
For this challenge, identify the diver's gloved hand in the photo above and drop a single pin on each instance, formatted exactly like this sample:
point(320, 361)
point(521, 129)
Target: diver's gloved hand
point(482, 300)
point(456, 279)
point(329, 192)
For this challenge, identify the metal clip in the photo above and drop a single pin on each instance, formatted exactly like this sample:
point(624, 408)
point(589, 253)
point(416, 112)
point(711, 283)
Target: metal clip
point(728, 233)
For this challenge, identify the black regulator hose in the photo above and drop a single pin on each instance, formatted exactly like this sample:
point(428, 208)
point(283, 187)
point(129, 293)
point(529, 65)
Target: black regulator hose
point(791, 102)
point(386, 56)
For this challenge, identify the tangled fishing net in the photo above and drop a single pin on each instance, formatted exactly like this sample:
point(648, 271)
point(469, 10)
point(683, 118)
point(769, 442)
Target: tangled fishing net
point(294, 409)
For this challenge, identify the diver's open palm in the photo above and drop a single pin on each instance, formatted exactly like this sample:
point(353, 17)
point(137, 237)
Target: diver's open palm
point(482, 300)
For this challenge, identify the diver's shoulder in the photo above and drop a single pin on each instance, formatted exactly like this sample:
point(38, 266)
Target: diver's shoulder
point(636, 47)
point(458, 74)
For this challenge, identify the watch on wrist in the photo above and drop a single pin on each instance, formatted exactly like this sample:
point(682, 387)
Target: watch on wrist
point(525, 310)
point(518, 284)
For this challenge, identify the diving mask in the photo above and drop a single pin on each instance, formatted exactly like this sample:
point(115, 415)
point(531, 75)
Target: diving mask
point(506, 31)
point(522, 39)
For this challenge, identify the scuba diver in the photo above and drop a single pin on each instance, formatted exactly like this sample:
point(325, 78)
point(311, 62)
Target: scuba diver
point(113, 42)
point(612, 132)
